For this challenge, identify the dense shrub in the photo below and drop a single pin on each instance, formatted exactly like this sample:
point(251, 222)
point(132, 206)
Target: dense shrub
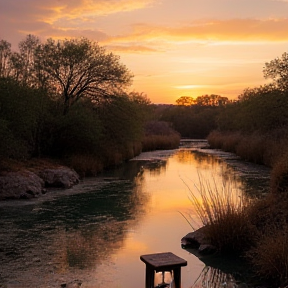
point(191, 121)
point(261, 109)
point(160, 135)
point(269, 254)
point(89, 136)
point(76, 132)
point(24, 114)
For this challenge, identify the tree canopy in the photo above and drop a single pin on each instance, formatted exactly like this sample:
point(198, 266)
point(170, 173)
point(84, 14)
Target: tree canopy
point(185, 101)
point(70, 69)
point(204, 100)
point(277, 70)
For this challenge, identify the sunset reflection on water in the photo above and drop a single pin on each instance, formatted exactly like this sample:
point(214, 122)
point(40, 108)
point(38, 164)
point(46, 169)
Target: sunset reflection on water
point(96, 233)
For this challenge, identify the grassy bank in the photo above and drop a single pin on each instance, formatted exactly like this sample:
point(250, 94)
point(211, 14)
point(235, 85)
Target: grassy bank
point(269, 149)
point(255, 229)
point(91, 165)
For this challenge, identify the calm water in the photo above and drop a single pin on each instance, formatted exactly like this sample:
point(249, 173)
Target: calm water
point(95, 232)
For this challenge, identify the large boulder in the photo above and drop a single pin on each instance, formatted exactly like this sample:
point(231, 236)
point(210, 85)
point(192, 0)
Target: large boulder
point(198, 240)
point(61, 177)
point(25, 184)
point(20, 185)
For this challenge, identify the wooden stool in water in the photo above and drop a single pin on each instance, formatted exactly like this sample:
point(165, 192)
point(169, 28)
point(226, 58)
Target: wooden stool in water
point(161, 262)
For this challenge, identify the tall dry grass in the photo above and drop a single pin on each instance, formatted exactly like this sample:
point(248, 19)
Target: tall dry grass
point(279, 174)
point(222, 211)
point(268, 149)
point(227, 141)
point(269, 254)
point(159, 142)
point(85, 165)
point(254, 229)
point(91, 165)
point(270, 258)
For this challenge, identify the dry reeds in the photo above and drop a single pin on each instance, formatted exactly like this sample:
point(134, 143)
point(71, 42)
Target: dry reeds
point(160, 142)
point(270, 257)
point(223, 213)
point(279, 174)
point(269, 254)
point(268, 149)
point(227, 141)
point(267, 218)
point(85, 165)
point(257, 230)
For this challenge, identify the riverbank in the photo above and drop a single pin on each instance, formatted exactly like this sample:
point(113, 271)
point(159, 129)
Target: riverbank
point(256, 229)
point(30, 179)
point(265, 149)
point(96, 231)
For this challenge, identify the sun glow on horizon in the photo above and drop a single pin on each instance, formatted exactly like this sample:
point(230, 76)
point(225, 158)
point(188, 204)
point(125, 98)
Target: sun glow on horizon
point(219, 47)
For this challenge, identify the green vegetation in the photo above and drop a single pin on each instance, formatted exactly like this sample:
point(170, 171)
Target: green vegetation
point(67, 101)
point(255, 127)
point(193, 118)
point(253, 230)
point(160, 135)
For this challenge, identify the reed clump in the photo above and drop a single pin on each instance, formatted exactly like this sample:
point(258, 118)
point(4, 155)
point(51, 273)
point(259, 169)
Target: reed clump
point(269, 254)
point(268, 149)
point(255, 229)
point(160, 135)
point(270, 258)
point(160, 142)
point(279, 174)
point(223, 213)
point(85, 165)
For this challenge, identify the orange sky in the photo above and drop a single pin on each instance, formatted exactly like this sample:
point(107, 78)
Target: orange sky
point(174, 47)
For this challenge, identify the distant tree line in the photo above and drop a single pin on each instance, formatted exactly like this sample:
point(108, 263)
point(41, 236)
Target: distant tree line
point(193, 118)
point(261, 109)
point(256, 125)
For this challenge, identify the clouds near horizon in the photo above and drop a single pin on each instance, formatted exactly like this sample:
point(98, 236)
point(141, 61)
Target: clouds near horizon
point(166, 43)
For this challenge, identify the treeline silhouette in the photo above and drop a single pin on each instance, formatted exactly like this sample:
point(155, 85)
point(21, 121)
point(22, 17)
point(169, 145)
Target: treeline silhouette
point(68, 100)
point(255, 127)
point(193, 118)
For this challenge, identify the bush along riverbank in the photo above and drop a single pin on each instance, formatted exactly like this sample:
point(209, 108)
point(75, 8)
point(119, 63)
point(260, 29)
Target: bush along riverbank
point(256, 229)
point(59, 102)
point(26, 179)
point(255, 127)
point(250, 232)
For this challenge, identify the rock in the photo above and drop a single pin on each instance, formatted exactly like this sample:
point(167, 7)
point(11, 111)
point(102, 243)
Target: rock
point(199, 241)
point(61, 177)
point(26, 184)
point(20, 185)
point(195, 239)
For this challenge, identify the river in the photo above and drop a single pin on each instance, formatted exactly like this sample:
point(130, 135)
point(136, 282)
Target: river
point(95, 232)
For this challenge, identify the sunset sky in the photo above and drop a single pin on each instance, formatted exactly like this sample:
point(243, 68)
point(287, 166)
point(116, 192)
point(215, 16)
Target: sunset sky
point(173, 47)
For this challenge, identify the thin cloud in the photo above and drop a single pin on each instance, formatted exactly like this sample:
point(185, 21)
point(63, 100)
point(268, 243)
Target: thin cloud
point(61, 19)
point(190, 86)
point(85, 9)
point(131, 49)
point(247, 30)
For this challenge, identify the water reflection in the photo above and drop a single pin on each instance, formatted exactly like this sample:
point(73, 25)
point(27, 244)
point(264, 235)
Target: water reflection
point(72, 232)
point(96, 231)
point(215, 278)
